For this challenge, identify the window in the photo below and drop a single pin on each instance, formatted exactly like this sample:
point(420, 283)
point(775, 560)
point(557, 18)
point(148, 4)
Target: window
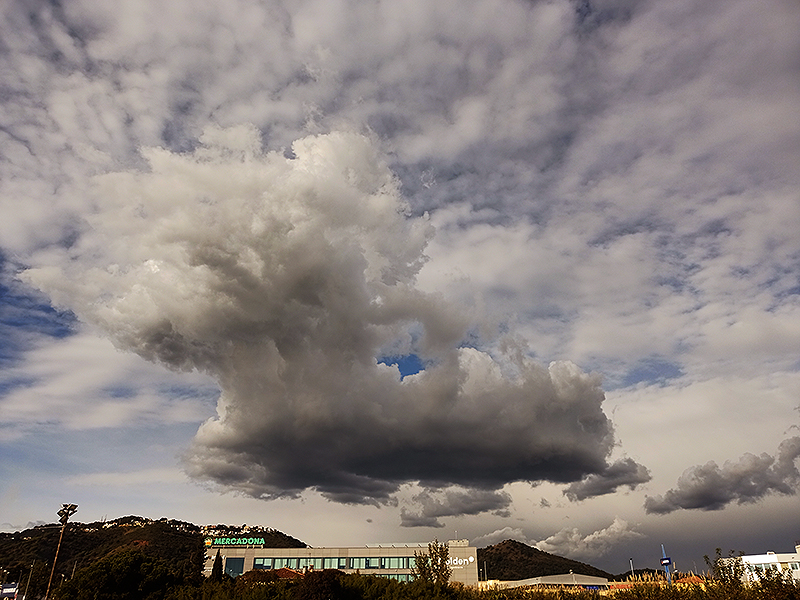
point(358, 563)
point(794, 566)
point(289, 563)
point(262, 563)
point(234, 566)
point(309, 563)
point(396, 562)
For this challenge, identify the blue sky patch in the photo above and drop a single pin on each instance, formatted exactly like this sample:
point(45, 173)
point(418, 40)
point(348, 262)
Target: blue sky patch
point(408, 365)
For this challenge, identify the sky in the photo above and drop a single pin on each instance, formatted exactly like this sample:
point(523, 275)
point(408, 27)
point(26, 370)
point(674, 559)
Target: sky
point(372, 272)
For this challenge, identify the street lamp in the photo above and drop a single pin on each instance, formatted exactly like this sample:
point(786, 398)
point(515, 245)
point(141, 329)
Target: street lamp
point(67, 510)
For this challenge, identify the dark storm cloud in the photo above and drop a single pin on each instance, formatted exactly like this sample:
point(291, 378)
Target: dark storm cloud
point(287, 279)
point(624, 472)
point(751, 478)
point(448, 503)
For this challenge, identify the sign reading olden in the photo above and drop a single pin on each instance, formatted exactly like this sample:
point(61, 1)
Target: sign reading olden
point(458, 563)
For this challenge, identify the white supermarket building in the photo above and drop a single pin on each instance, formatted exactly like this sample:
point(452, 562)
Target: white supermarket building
point(243, 553)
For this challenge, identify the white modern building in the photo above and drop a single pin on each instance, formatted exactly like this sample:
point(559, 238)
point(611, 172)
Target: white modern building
point(784, 562)
point(243, 553)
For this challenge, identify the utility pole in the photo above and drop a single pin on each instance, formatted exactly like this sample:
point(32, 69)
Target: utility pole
point(67, 510)
point(27, 585)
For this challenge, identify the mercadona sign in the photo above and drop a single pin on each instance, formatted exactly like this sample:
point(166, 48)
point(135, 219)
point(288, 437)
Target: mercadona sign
point(235, 541)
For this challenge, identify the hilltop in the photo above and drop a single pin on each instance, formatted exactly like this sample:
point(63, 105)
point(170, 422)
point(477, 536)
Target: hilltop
point(180, 544)
point(177, 542)
point(511, 560)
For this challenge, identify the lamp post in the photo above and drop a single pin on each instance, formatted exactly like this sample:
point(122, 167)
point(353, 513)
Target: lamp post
point(67, 510)
point(27, 585)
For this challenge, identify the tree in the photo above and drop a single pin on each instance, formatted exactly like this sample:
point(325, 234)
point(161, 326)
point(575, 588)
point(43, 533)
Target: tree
point(727, 570)
point(320, 585)
point(216, 570)
point(127, 574)
point(432, 566)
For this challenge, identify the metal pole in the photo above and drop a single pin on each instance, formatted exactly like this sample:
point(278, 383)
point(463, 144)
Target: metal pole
point(53, 570)
point(27, 585)
point(632, 574)
point(666, 562)
point(67, 510)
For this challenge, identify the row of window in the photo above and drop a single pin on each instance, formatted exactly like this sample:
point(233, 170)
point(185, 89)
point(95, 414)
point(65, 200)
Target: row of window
point(768, 566)
point(334, 562)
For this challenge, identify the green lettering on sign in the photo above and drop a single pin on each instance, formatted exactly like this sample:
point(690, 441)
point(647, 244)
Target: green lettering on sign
point(237, 541)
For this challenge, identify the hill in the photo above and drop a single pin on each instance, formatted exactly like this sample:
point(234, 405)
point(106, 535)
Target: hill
point(180, 544)
point(511, 560)
point(177, 542)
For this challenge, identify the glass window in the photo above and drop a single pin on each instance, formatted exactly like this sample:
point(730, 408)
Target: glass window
point(358, 563)
point(290, 563)
point(234, 566)
point(309, 563)
point(373, 562)
point(396, 562)
point(262, 563)
point(330, 563)
point(342, 563)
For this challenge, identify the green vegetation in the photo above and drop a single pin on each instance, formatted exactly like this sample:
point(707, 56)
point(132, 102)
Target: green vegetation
point(140, 559)
point(511, 560)
point(131, 575)
point(432, 566)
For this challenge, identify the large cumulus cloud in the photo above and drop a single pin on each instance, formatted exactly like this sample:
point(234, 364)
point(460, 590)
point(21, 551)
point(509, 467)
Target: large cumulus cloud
point(287, 276)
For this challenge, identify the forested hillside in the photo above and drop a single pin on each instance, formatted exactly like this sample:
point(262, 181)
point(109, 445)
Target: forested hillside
point(511, 560)
point(177, 543)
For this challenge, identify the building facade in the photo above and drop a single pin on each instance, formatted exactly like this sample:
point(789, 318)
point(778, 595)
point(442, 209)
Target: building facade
point(244, 553)
point(784, 562)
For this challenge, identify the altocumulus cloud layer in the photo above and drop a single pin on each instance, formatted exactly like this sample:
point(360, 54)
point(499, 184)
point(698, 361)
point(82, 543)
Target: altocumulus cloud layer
point(287, 276)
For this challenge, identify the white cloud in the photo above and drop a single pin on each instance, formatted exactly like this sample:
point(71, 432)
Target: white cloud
point(143, 477)
point(284, 279)
point(501, 535)
point(572, 543)
point(83, 382)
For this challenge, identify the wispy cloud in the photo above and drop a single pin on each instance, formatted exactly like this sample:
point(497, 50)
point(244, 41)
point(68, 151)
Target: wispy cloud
point(450, 503)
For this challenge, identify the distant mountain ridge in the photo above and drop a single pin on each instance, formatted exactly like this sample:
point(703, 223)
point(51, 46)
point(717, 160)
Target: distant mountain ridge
point(511, 560)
